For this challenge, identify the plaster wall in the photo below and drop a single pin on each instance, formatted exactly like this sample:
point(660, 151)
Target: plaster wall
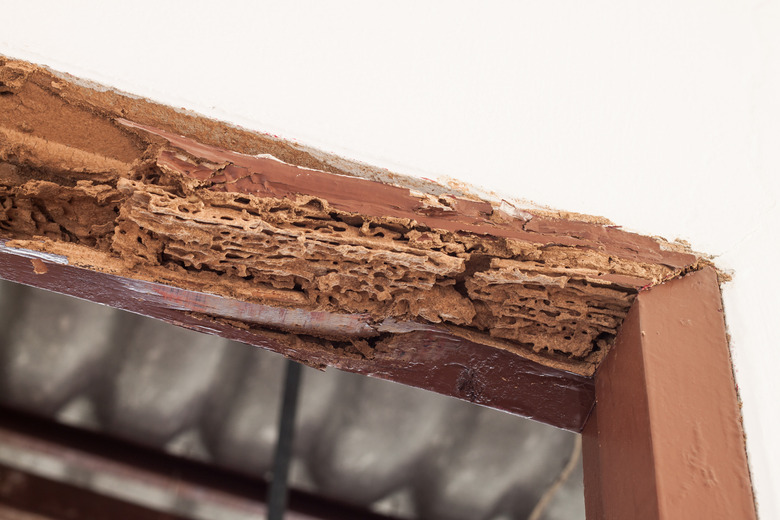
point(663, 117)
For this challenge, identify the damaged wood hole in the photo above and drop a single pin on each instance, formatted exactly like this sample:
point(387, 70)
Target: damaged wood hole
point(109, 182)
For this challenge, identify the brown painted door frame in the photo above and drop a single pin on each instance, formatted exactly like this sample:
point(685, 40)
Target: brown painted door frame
point(665, 438)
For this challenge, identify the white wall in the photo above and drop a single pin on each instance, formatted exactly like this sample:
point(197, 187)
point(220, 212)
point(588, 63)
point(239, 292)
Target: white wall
point(663, 116)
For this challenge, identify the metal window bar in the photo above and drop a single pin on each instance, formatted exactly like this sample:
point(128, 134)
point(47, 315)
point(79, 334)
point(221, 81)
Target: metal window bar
point(277, 494)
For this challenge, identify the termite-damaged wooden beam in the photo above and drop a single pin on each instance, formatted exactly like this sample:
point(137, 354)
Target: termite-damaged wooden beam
point(430, 357)
point(252, 238)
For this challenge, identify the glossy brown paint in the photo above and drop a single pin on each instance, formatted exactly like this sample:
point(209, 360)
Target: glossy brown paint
point(665, 440)
point(433, 359)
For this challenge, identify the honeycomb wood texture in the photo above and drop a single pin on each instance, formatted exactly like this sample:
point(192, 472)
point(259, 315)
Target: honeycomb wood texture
point(110, 182)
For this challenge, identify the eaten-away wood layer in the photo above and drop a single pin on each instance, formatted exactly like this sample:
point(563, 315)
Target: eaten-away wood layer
point(126, 186)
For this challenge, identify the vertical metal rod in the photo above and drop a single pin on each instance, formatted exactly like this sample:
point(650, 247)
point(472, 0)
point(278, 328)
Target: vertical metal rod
point(277, 494)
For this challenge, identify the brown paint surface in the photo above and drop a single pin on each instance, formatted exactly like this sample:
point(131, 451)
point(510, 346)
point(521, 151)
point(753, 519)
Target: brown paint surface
point(666, 440)
point(623, 466)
